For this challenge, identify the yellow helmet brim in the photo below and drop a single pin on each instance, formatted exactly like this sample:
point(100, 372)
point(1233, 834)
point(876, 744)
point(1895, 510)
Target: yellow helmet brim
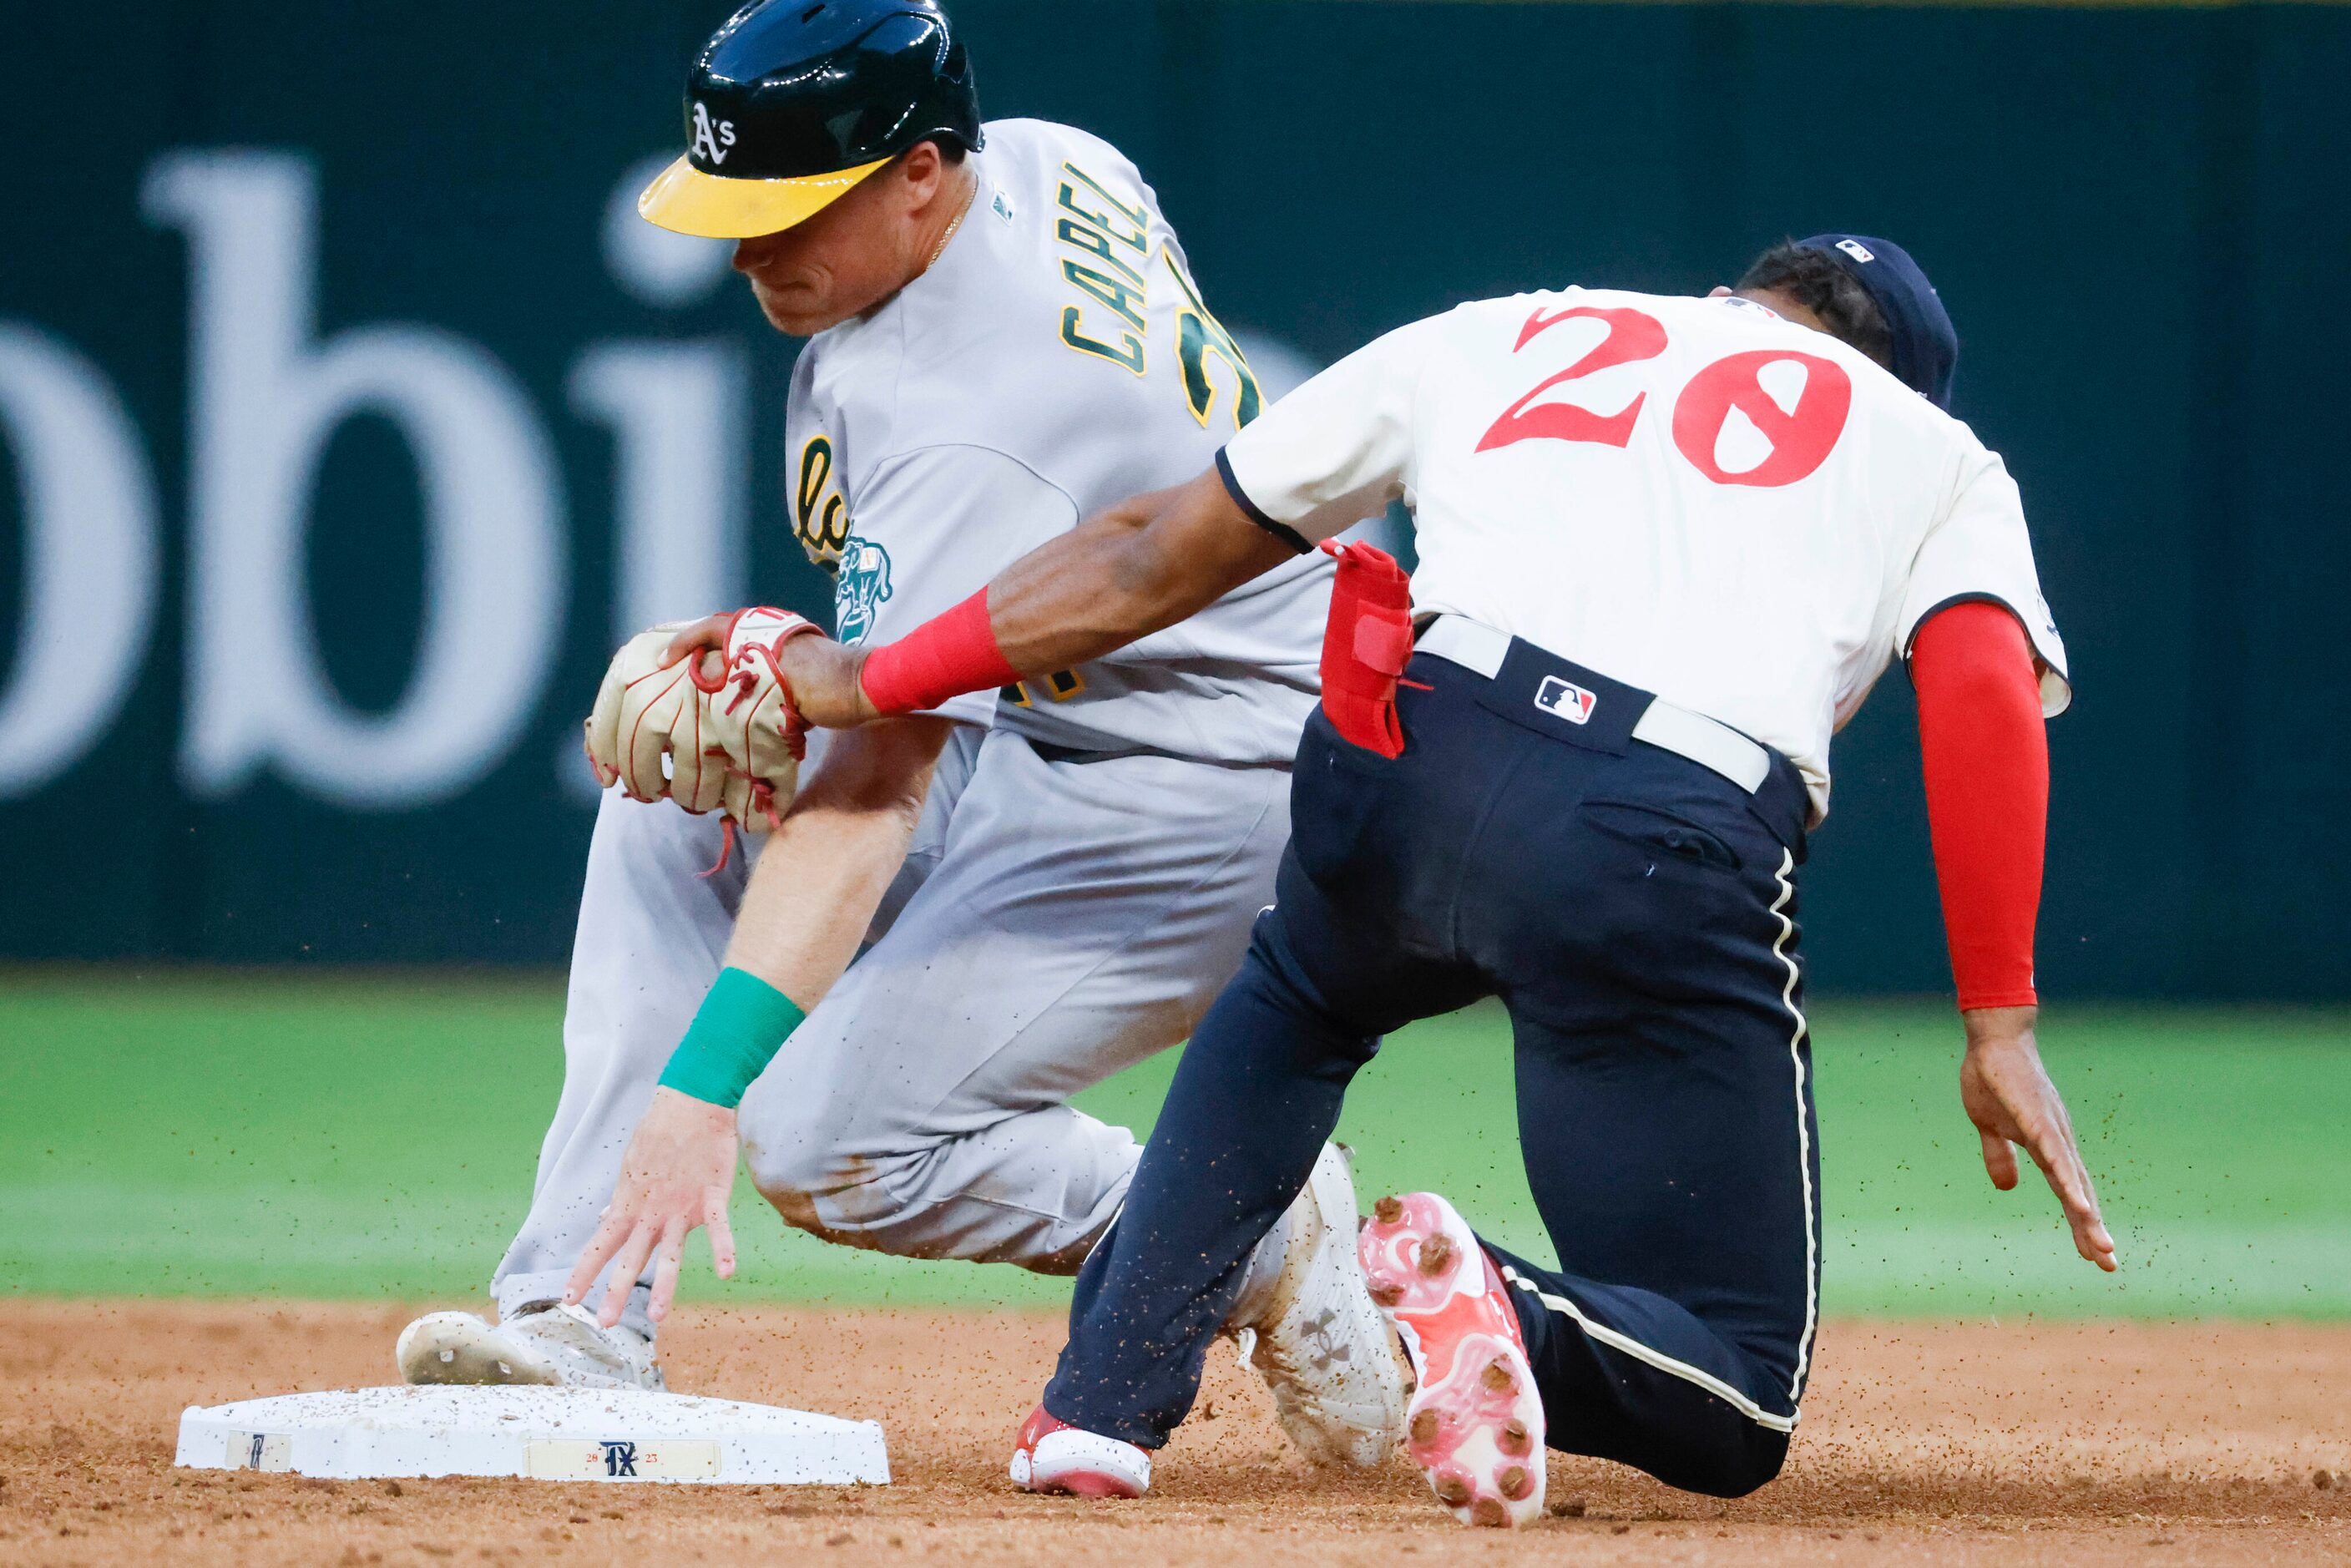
point(686, 200)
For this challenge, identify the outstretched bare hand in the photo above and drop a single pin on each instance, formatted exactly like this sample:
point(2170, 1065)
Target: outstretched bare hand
point(2009, 1097)
point(677, 1177)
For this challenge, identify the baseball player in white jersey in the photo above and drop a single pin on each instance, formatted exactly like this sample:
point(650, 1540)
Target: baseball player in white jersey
point(1054, 877)
point(1666, 546)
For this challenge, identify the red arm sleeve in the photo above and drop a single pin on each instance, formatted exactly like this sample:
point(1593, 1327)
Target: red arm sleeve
point(1985, 752)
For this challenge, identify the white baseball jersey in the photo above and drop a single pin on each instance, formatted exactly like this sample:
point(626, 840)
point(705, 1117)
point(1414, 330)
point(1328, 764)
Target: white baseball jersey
point(1694, 496)
point(1055, 359)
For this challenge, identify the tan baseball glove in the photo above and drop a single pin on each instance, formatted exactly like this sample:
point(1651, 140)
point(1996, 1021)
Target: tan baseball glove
point(646, 731)
point(750, 715)
point(714, 731)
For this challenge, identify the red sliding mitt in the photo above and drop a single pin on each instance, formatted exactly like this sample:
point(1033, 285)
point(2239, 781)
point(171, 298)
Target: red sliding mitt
point(1366, 646)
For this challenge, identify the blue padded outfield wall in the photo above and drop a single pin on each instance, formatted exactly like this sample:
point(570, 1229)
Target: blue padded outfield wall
point(338, 397)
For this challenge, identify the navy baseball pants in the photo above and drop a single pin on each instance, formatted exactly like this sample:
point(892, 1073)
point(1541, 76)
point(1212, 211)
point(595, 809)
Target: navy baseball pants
point(1635, 912)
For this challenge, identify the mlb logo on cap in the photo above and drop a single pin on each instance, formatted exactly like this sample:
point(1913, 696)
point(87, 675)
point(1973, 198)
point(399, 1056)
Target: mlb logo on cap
point(1562, 699)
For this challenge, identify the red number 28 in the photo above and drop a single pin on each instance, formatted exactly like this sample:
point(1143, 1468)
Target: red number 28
point(1801, 438)
point(1632, 337)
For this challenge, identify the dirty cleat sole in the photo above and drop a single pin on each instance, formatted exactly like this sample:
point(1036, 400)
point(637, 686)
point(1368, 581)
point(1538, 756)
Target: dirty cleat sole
point(460, 1348)
point(558, 1346)
point(1475, 1426)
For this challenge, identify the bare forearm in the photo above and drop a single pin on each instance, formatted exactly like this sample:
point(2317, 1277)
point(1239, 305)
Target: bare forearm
point(822, 873)
point(1126, 572)
point(1134, 568)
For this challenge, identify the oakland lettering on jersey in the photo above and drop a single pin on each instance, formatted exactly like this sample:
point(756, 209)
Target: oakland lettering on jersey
point(819, 517)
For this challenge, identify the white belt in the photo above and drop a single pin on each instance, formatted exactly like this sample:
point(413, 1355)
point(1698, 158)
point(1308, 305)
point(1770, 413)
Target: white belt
point(1474, 645)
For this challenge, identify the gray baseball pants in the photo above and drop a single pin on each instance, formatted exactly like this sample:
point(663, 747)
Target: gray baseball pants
point(1057, 921)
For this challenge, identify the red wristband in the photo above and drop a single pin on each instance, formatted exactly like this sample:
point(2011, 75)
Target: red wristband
point(951, 653)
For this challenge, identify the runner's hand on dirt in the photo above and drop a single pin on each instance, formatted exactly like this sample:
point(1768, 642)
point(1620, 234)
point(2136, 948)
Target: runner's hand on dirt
point(677, 1177)
point(2009, 1097)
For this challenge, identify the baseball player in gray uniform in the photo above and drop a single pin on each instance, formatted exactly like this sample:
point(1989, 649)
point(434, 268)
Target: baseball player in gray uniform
point(988, 905)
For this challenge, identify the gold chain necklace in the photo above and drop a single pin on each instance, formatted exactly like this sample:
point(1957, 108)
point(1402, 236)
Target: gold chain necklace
point(953, 223)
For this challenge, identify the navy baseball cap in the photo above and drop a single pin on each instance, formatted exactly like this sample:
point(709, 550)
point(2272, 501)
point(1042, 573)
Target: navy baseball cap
point(1925, 345)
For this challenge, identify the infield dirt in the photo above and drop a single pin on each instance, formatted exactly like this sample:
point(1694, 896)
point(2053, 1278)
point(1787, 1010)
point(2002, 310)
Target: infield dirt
point(1963, 1443)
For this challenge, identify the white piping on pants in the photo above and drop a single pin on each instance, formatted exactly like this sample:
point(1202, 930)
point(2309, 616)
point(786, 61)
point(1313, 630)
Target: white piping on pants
point(1804, 1127)
point(1658, 1359)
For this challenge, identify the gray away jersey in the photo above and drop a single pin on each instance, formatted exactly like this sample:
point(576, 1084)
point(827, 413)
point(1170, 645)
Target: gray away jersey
point(1056, 357)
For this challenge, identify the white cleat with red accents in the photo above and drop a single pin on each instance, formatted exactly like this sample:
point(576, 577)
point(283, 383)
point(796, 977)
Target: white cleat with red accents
point(1476, 1423)
point(1052, 1456)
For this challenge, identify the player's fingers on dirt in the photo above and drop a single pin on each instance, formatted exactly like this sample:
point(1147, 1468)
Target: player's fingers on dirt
point(613, 1231)
point(626, 1270)
point(722, 1230)
point(668, 1258)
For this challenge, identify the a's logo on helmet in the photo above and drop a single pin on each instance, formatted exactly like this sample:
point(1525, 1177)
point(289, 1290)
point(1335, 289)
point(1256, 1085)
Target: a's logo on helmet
point(860, 589)
point(712, 138)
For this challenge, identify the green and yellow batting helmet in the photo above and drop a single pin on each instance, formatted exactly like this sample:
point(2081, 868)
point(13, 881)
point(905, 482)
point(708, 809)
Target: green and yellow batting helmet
point(792, 102)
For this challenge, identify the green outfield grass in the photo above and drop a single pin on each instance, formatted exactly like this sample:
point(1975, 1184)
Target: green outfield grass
point(375, 1137)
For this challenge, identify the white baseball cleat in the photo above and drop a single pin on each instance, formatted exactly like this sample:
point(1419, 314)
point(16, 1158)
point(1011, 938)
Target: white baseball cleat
point(1322, 1344)
point(1477, 1424)
point(1051, 1456)
point(546, 1344)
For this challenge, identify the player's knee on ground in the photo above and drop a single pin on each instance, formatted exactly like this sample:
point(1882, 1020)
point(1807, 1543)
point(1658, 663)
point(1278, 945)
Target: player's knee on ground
point(1736, 1461)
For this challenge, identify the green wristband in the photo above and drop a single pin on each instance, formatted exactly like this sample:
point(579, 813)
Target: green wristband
point(742, 1023)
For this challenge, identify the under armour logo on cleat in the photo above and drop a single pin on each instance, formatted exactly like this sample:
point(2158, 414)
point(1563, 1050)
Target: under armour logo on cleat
point(1326, 1344)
